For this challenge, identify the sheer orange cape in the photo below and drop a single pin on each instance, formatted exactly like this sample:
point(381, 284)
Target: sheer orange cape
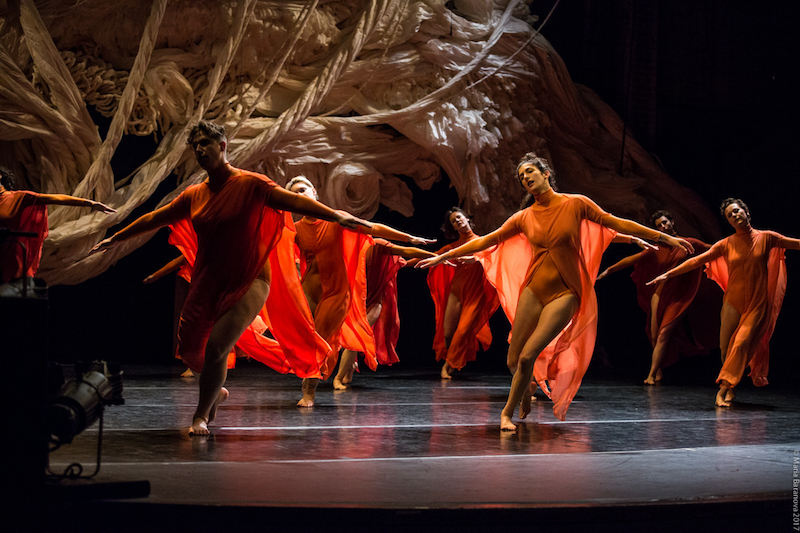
point(236, 234)
point(19, 211)
point(341, 313)
point(382, 268)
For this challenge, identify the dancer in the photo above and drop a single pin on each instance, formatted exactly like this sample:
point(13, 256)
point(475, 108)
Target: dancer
point(751, 269)
point(384, 259)
point(240, 248)
point(560, 238)
point(334, 280)
point(668, 304)
point(26, 211)
point(463, 298)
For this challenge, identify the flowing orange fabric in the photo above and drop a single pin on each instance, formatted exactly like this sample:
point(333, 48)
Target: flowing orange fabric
point(20, 211)
point(339, 256)
point(382, 267)
point(479, 302)
point(689, 297)
point(751, 269)
point(572, 233)
point(236, 235)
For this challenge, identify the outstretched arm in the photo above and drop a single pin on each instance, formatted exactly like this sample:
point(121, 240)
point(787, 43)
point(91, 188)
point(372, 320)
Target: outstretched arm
point(173, 265)
point(154, 220)
point(624, 225)
point(623, 263)
point(65, 199)
point(789, 243)
point(302, 205)
point(385, 232)
point(688, 265)
point(410, 252)
point(468, 248)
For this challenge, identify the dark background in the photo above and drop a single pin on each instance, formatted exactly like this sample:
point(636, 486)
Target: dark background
point(708, 87)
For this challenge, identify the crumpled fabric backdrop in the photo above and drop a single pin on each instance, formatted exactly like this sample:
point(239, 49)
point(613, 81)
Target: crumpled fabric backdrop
point(357, 95)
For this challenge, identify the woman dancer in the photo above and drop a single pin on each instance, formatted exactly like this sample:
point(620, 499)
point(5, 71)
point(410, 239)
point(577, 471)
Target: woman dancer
point(667, 304)
point(240, 237)
point(383, 261)
point(334, 281)
point(566, 235)
point(750, 267)
point(463, 298)
point(26, 211)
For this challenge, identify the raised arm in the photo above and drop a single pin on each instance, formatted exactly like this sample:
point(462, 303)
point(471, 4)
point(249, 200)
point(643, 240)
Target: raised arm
point(689, 265)
point(173, 265)
point(154, 220)
point(385, 232)
point(468, 248)
point(410, 252)
point(623, 263)
point(65, 199)
point(624, 225)
point(297, 203)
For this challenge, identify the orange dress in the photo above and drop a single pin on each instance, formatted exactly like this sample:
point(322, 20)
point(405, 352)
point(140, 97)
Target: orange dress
point(236, 235)
point(690, 298)
point(478, 303)
point(382, 267)
point(751, 269)
point(338, 256)
point(20, 211)
point(560, 239)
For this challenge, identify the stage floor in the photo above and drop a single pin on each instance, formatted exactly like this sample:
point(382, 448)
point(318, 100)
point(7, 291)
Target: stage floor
point(407, 444)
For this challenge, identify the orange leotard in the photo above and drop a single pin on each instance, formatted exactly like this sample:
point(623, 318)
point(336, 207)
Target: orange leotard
point(20, 211)
point(750, 267)
point(336, 258)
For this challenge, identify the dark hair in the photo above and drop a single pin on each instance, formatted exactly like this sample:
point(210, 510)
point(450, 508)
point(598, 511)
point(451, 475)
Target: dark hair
point(7, 179)
point(531, 158)
point(728, 201)
point(447, 227)
point(661, 213)
point(209, 129)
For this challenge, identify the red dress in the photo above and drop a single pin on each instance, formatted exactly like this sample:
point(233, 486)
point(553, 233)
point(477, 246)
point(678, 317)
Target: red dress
point(567, 235)
point(20, 211)
point(382, 267)
point(236, 235)
point(478, 300)
point(751, 269)
point(691, 297)
point(338, 256)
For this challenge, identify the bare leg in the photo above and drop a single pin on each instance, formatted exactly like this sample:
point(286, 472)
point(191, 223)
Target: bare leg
point(529, 309)
point(729, 321)
point(452, 314)
point(662, 343)
point(224, 335)
point(346, 362)
point(552, 319)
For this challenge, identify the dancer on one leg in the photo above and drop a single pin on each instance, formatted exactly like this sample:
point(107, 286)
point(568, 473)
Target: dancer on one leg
point(239, 226)
point(561, 239)
point(463, 298)
point(668, 304)
point(334, 280)
point(750, 267)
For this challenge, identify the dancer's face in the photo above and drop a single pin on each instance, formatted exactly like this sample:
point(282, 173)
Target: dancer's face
point(305, 189)
point(736, 216)
point(534, 180)
point(209, 152)
point(460, 222)
point(664, 224)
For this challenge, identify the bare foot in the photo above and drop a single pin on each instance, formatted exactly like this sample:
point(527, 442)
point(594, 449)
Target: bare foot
point(650, 380)
point(309, 392)
point(659, 375)
point(349, 376)
point(730, 395)
point(720, 400)
point(505, 424)
point(338, 384)
point(188, 373)
point(221, 397)
point(199, 427)
point(525, 404)
point(446, 369)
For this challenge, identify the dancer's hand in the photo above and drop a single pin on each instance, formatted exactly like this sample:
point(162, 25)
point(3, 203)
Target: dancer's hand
point(641, 243)
point(420, 240)
point(662, 277)
point(463, 260)
point(602, 274)
point(104, 245)
point(677, 242)
point(430, 262)
point(103, 208)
